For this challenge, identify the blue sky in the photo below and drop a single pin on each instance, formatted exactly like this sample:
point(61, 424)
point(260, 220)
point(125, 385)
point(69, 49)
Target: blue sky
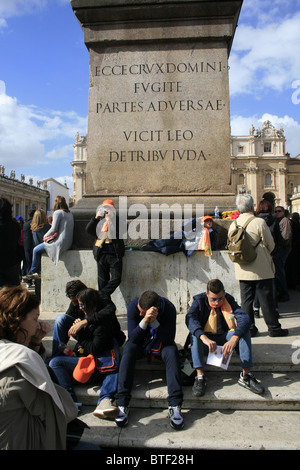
point(44, 80)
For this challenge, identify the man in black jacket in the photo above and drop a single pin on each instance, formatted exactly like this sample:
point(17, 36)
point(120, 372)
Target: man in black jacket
point(108, 249)
point(213, 319)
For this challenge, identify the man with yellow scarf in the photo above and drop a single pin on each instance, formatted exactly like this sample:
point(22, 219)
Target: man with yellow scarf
point(213, 319)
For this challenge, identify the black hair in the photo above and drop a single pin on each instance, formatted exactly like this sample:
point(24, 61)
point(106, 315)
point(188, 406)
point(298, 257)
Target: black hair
point(215, 286)
point(148, 299)
point(74, 287)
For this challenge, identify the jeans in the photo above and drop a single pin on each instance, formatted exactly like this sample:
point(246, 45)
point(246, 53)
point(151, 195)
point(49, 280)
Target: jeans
point(131, 353)
point(109, 268)
point(36, 258)
point(62, 325)
point(265, 294)
point(63, 366)
point(198, 348)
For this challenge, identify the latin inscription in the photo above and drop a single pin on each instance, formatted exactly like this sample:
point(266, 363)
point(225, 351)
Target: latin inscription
point(156, 89)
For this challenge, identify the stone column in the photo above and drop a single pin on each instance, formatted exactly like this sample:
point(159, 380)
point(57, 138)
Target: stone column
point(159, 121)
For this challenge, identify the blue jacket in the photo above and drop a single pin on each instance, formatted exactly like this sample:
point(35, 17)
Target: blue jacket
point(166, 318)
point(199, 311)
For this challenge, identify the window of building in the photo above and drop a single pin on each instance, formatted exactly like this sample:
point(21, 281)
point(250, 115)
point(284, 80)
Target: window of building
point(240, 149)
point(267, 147)
point(241, 179)
point(268, 179)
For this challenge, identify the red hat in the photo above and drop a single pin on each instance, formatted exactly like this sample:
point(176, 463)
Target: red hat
point(84, 368)
point(108, 202)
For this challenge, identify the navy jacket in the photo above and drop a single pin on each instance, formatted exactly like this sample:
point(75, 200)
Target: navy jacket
point(166, 318)
point(199, 311)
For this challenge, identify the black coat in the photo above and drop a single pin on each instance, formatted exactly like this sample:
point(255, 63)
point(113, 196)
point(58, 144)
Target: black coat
point(118, 244)
point(10, 233)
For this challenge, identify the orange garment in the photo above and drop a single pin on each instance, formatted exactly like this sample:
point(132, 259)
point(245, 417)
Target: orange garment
point(211, 324)
point(204, 243)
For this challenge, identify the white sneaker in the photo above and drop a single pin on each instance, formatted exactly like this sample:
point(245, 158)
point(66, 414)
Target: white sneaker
point(122, 418)
point(176, 420)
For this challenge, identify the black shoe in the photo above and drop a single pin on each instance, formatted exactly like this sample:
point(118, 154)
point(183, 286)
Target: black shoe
point(199, 386)
point(256, 312)
point(253, 331)
point(279, 332)
point(249, 381)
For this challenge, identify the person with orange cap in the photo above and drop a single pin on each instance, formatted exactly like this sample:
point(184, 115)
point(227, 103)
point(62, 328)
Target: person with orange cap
point(108, 248)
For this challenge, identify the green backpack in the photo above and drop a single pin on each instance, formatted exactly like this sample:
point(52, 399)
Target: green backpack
point(239, 247)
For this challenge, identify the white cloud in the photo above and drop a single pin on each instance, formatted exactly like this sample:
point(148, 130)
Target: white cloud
point(31, 136)
point(265, 57)
point(10, 8)
point(240, 125)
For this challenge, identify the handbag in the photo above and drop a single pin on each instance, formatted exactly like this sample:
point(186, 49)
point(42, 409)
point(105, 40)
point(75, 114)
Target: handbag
point(86, 365)
point(107, 362)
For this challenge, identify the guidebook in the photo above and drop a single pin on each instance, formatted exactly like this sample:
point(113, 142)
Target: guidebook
point(218, 359)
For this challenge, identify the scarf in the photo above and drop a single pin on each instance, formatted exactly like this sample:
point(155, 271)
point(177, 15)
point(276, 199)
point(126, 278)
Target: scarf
point(211, 324)
point(104, 234)
point(204, 243)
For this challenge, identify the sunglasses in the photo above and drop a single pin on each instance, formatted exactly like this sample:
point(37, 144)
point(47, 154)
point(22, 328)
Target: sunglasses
point(278, 211)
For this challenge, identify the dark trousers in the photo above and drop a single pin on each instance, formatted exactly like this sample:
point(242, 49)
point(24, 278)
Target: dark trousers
point(131, 353)
point(109, 268)
point(264, 290)
point(280, 256)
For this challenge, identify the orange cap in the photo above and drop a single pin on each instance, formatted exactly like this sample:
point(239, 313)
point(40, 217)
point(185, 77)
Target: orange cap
point(84, 368)
point(108, 202)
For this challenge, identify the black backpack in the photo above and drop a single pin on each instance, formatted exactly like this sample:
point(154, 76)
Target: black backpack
point(239, 246)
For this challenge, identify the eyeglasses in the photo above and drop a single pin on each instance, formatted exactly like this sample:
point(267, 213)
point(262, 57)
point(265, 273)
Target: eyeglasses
point(216, 300)
point(279, 211)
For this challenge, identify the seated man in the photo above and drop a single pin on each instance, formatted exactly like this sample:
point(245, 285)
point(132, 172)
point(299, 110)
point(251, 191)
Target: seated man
point(214, 318)
point(65, 321)
point(97, 337)
point(150, 316)
point(70, 323)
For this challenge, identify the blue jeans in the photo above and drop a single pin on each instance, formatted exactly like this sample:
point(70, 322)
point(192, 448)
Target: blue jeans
point(63, 366)
point(198, 348)
point(36, 258)
point(62, 325)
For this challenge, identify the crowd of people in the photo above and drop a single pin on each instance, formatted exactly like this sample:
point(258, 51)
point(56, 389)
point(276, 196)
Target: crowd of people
point(37, 393)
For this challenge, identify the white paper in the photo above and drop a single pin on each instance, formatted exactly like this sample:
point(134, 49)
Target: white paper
point(218, 359)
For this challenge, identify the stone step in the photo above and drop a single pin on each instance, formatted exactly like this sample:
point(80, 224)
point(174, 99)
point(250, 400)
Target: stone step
point(282, 392)
point(228, 417)
point(149, 433)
